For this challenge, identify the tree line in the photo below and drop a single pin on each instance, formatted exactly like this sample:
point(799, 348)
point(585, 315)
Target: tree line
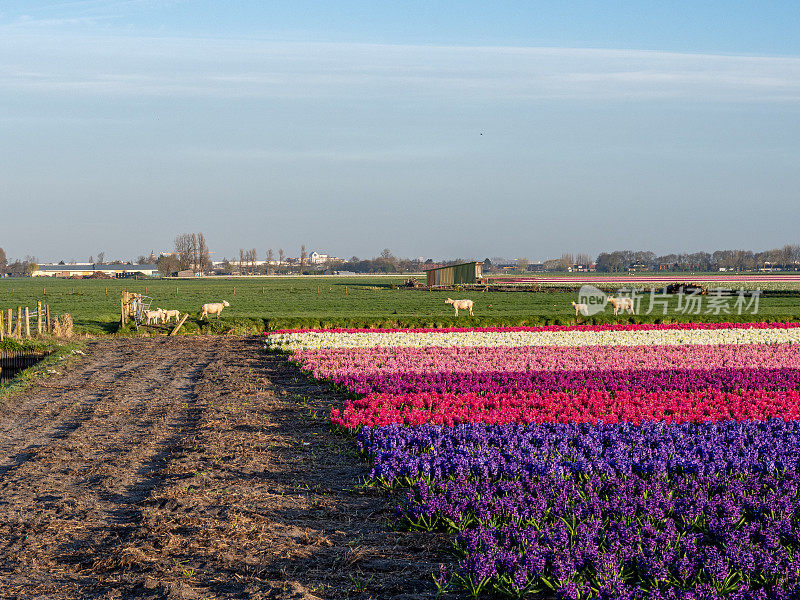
point(192, 253)
point(786, 257)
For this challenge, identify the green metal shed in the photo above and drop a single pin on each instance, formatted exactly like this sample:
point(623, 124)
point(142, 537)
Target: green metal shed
point(469, 272)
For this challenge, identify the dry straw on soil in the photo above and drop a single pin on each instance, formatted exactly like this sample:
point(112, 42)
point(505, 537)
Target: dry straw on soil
point(62, 328)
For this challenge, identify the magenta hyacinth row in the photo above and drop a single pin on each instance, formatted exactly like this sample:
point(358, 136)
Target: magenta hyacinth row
point(348, 362)
point(585, 406)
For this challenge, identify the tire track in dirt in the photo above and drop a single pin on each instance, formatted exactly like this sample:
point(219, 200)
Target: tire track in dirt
point(90, 457)
point(25, 427)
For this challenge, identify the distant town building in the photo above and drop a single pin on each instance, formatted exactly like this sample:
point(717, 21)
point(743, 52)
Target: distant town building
point(316, 258)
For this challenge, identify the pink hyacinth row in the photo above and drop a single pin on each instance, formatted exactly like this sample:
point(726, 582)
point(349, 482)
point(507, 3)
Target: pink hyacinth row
point(587, 406)
point(608, 327)
point(343, 362)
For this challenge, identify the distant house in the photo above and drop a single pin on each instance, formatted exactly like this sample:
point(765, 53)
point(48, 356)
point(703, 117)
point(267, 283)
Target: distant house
point(582, 268)
point(87, 269)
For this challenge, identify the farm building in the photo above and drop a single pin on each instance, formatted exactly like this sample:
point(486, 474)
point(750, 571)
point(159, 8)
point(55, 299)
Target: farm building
point(469, 272)
point(86, 270)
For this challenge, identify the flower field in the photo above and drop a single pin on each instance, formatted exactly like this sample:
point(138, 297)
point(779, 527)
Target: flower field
point(612, 461)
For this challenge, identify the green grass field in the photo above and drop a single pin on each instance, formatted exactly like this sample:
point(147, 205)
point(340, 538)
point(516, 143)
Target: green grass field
point(274, 303)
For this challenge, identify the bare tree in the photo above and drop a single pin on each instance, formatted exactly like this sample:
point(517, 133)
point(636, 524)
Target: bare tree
point(583, 259)
point(3, 260)
point(183, 249)
point(281, 256)
point(303, 257)
point(101, 256)
point(248, 262)
point(567, 260)
point(195, 251)
point(269, 261)
point(253, 259)
point(522, 263)
point(241, 261)
point(203, 254)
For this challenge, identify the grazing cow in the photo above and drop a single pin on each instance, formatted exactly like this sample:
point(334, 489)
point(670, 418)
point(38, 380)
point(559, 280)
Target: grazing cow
point(581, 308)
point(460, 304)
point(621, 304)
point(214, 308)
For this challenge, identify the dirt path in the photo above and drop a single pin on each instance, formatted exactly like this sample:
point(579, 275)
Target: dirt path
point(196, 467)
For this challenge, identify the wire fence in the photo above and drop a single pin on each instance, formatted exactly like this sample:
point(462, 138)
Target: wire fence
point(25, 323)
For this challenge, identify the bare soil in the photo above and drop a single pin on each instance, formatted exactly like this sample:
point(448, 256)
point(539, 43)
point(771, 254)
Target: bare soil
point(192, 467)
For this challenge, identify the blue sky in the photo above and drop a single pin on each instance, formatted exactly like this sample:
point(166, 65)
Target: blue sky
point(436, 129)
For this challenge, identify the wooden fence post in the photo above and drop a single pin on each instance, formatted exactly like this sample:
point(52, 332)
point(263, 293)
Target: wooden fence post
point(122, 311)
point(27, 323)
point(9, 321)
point(47, 317)
point(39, 318)
point(179, 325)
point(2, 327)
point(19, 322)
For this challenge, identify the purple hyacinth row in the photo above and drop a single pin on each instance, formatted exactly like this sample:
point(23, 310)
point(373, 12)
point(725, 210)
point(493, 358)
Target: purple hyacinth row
point(492, 452)
point(723, 379)
point(693, 537)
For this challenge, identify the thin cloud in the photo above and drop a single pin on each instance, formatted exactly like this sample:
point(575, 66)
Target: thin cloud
point(133, 66)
